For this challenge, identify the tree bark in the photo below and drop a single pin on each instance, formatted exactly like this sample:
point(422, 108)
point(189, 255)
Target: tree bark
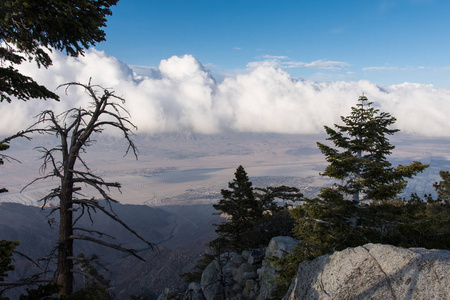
point(65, 243)
point(65, 249)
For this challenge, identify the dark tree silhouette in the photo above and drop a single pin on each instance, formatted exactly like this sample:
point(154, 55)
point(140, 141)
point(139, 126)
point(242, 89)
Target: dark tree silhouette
point(28, 28)
point(75, 129)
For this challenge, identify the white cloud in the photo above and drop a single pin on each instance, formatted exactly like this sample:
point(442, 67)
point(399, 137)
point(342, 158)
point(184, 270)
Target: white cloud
point(180, 95)
point(274, 57)
point(274, 63)
point(280, 62)
point(380, 68)
point(318, 64)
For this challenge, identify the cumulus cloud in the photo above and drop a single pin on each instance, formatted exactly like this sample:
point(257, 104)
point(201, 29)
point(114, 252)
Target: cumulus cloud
point(181, 95)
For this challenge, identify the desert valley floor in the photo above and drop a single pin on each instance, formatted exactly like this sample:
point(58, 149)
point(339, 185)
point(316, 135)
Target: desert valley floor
point(191, 169)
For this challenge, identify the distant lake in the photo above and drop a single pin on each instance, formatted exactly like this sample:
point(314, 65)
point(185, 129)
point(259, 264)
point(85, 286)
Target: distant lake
point(174, 176)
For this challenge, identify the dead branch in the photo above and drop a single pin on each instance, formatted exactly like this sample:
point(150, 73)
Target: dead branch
point(94, 203)
point(85, 274)
point(99, 233)
point(109, 245)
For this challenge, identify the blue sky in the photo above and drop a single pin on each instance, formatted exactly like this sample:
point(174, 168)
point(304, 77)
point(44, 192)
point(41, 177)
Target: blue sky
point(385, 42)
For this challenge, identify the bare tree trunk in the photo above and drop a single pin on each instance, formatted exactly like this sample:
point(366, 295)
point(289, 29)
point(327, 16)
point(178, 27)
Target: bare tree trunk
point(65, 249)
point(358, 173)
point(74, 127)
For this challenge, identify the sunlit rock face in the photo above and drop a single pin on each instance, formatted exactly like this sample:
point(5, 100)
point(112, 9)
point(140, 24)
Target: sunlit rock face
point(374, 271)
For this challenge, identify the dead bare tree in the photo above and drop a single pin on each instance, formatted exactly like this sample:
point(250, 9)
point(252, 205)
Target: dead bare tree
point(75, 129)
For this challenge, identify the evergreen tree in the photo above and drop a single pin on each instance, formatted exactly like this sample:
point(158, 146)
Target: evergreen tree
point(241, 209)
point(254, 215)
point(331, 222)
point(362, 165)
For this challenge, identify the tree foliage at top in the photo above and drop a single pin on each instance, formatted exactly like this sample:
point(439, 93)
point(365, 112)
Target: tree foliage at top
point(29, 29)
point(359, 160)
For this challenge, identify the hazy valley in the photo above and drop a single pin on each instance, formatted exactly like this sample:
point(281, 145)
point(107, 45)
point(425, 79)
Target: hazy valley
point(172, 187)
point(182, 169)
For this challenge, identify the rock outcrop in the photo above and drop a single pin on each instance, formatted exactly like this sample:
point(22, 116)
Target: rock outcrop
point(235, 276)
point(278, 247)
point(374, 271)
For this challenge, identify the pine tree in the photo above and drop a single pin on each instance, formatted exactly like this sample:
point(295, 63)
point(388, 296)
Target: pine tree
point(241, 209)
point(254, 215)
point(362, 165)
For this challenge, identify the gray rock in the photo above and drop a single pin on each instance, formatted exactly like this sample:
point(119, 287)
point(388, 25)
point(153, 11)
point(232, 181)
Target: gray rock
point(212, 283)
point(238, 272)
point(246, 254)
point(256, 256)
point(374, 271)
point(266, 275)
point(249, 289)
point(236, 258)
point(279, 246)
point(169, 294)
point(247, 268)
point(194, 292)
point(249, 275)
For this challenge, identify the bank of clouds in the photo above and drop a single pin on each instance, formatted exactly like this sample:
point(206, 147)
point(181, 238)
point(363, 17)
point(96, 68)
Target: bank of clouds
point(181, 95)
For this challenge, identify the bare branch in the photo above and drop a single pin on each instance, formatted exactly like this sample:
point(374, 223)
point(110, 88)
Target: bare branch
point(109, 245)
point(99, 233)
point(93, 278)
point(95, 204)
point(37, 179)
point(27, 258)
point(24, 282)
point(18, 134)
